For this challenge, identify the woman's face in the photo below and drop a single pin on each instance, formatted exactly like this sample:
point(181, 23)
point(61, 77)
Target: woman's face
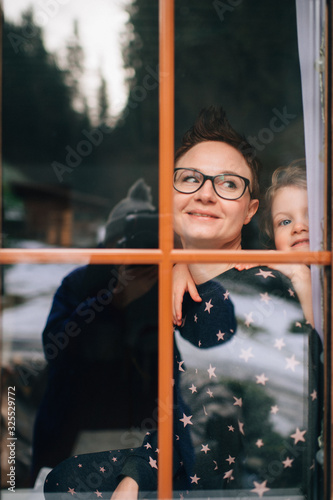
point(203, 219)
point(290, 219)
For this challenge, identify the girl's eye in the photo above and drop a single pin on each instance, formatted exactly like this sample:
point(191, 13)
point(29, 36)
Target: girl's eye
point(284, 222)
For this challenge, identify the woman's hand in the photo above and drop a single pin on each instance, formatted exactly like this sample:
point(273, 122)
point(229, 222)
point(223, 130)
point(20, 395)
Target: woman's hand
point(182, 282)
point(127, 489)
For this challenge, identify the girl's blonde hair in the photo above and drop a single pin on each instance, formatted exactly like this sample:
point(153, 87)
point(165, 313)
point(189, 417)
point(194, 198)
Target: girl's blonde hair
point(292, 175)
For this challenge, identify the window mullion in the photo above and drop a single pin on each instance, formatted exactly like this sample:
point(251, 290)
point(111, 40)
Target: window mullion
point(166, 159)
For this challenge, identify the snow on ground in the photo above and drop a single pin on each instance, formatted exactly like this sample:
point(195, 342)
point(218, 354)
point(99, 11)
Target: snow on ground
point(28, 294)
point(35, 284)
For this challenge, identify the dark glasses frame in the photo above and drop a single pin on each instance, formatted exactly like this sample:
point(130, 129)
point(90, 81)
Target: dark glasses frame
point(212, 179)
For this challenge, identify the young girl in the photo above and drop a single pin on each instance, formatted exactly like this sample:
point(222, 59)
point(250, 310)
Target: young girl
point(285, 221)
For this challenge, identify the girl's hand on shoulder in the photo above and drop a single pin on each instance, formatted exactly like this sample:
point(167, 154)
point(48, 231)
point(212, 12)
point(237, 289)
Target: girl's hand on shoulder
point(299, 274)
point(127, 489)
point(244, 267)
point(182, 282)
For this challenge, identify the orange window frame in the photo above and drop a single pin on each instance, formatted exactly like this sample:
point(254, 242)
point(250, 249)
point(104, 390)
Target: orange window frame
point(165, 256)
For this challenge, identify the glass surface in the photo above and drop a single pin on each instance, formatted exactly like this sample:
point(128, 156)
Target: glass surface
point(79, 359)
point(84, 126)
point(248, 369)
point(88, 111)
point(247, 375)
point(78, 134)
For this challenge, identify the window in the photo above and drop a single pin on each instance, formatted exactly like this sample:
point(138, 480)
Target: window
point(67, 220)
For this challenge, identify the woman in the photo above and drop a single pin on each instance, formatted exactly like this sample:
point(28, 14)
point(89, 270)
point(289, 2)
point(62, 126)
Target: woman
point(239, 400)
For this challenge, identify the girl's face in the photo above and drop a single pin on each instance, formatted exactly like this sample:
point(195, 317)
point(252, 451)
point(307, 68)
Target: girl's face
point(290, 219)
point(203, 219)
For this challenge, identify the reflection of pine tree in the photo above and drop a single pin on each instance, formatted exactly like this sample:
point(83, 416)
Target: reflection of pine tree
point(247, 62)
point(103, 101)
point(38, 115)
point(140, 55)
point(75, 68)
point(262, 461)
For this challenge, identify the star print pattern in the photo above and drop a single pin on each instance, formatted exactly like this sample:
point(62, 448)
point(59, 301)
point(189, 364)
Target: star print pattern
point(313, 395)
point(211, 371)
point(265, 274)
point(205, 448)
point(260, 488)
point(207, 385)
point(288, 462)
point(194, 479)
point(186, 420)
point(153, 463)
point(180, 366)
point(220, 335)
point(292, 363)
point(261, 379)
point(227, 387)
point(249, 319)
point(246, 354)
point(264, 297)
point(228, 475)
point(209, 305)
point(298, 435)
point(210, 393)
point(238, 401)
point(279, 343)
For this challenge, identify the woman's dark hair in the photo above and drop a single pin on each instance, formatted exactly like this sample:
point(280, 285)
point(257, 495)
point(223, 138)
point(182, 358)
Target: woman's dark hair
point(213, 125)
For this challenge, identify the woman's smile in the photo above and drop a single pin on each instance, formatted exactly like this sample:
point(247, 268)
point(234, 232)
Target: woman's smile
point(203, 215)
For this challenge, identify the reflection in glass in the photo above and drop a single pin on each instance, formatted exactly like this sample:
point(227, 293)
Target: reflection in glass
point(248, 388)
point(91, 377)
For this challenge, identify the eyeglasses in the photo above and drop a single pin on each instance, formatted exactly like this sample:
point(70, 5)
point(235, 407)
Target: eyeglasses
point(226, 186)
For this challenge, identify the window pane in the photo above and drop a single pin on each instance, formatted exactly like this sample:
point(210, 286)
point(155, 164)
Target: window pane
point(84, 126)
point(242, 56)
point(80, 354)
point(248, 369)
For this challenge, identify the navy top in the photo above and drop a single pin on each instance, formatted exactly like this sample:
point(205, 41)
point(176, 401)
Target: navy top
point(242, 390)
